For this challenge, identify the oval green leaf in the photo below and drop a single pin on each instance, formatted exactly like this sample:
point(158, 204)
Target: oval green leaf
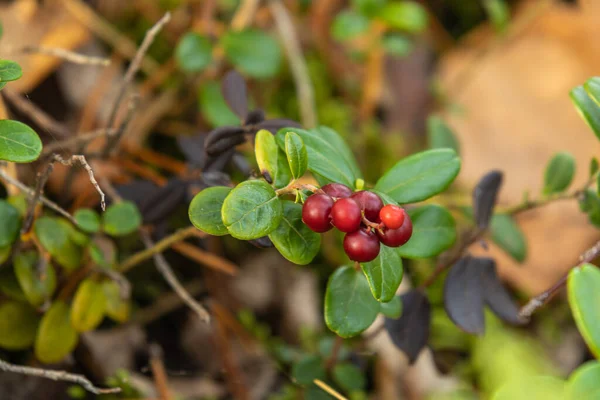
point(18, 325)
point(296, 154)
point(117, 308)
point(592, 88)
point(121, 219)
point(583, 288)
point(252, 51)
point(434, 230)
point(349, 305)
point(420, 176)
point(213, 106)
point(267, 154)
point(587, 108)
point(89, 305)
point(284, 175)
point(205, 210)
point(18, 142)
point(9, 71)
point(440, 136)
point(55, 236)
point(508, 236)
point(407, 16)
point(384, 273)
point(11, 223)
point(193, 52)
point(584, 382)
point(56, 337)
point(559, 173)
point(528, 388)
point(37, 289)
point(88, 220)
point(251, 210)
point(308, 369)
point(392, 309)
point(294, 240)
point(349, 24)
point(349, 377)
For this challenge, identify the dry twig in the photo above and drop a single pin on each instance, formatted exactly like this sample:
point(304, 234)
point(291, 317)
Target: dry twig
point(67, 55)
point(159, 372)
point(81, 139)
point(37, 115)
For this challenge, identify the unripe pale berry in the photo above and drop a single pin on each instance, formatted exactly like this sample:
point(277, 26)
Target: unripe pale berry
point(316, 212)
point(370, 203)
point(337, 190)
point(392, 216)
point(361, 246)
point(397, 237)
point(345, 215)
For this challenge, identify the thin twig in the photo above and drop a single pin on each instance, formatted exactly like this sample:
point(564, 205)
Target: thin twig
point(67, 55)
point(40, 182)
point(326, 388)
point(79, 139)
point(56, 376)
point(36, 114)
point(206, 258)
point(82, 161)
point(159, 372)
point(304, 87)
point(333, 358)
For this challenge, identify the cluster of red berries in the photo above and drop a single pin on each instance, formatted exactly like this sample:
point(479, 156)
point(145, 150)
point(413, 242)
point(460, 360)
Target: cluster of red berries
point(361, 215)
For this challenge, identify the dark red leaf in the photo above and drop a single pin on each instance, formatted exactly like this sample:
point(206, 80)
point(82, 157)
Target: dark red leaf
point(137, 191)
point(484, 198)
point(164, 201)
point(254, 117)
point(234, 91)
point(192, 148)
point(241, 163)
point(498, 298)
point(222, 139)
point(273, 125)
point(217, 163)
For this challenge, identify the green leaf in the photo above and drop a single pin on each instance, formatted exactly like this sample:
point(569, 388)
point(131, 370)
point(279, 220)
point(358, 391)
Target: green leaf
point(18, 325)
point(251, 210)
point(267, 154)
point(498, 13)
point(368, 7)
point(5, 253)
point(434, 230)
point(213, 106)
point(205, 210)
point(349, 377)
point(593, 166)
point(592, 88)
point(193, 52)
point(296, 154)
point(407, 16)
point(54, 235)
point(117, 308)
point(9, 71)
point(309, 368)
point(420, 176)
point(11, 223)
point(9, 285)
point(392, 309)
point(349, 305)
point(88, 220)
point(97, 256)
point(589, 203)
point(121, 219)
point(440, 136)
point(508, 236)
point(587, 108)
point(36, 289)
point(56, 336)
point(559, 173)
point(18, 142)
point(384, 274)
point(253, 52)
point(19, 201)
point(328, 154)
point(294, 240)
point(583, 288)
point(528, 388)
point(2, 84)
point(284, 175)
point(89, 305)
point(349, 24)
point(397, 45)
point(584, 382)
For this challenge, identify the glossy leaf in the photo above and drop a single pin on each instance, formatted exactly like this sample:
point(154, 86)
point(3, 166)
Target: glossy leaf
point(223, 139)
point(508, 236)
point(587, 108)
point(391, 309)
point(55, 236)
point(309, 368)
point(349, 377)
point(11, 223)
point(193, 52)
point(583, 288)
point(117, 308)
point(408, 16)
point(88, 220)
point(592, 87)
point(384, 273)
point(56, 337)
point(297, 156)
point(18, 325)
point(9, 71)
point(213, 107)
point(584, 382)
point(267, 154)
point(121, 219)
point(485, 194)
point(251, 210)
point(420, 176)
point(496, 296)
point(37, 289)
point(284, 175)
point(349, 24)
point(410, 332)
point(440, 136)
point(253, 52)
point(349, 305)
point(205, 210)
point(89, 305)
point(235, 94)
point(434, 231)
point(18, 142)
point(559, 173)
point(294, 239)
point(528, 388)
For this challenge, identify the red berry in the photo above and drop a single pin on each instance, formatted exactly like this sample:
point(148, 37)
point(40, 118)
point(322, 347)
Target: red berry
point(337, 190)
point(361, 246)
point(397, 237)
point(370, 203)
point(316, 212)
point(392, 216)
point(345, 215)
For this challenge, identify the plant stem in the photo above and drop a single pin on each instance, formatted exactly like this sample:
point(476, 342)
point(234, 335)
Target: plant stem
point(335, 351)
point(293, 187)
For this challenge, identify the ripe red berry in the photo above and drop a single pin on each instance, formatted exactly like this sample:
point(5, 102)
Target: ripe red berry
point(397, 237)
point(370, 203)
point(345, 215)
point(361, 246)
point(337, 190)
point(316, 212)
point(392, 216)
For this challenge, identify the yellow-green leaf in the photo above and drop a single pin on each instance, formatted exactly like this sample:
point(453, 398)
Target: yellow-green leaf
point(583, 288)
point(55, 236)
point(89, 305)
point(117, 308)
point(56, 337)
point(267, 152)
point(18, 325)
point(37, 289)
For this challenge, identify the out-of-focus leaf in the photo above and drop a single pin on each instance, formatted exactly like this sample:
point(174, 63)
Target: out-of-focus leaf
point(538, 387)
point(496, 296)
point(508, 236)
point(393, 308)
point(583, 288)
point(559, 173)
point(121, 219)
point(193, 52)
point(440, 136)
point(37, 289)
point(484, 197)
point(89, 305)
point(159, 205)
point(349, 377)
point(10, 225)
point(592, 87)
point(399, 46)
point(55, 236)
point(584, 383)
point(222, 139)
point(235, 94)
point(498, 12)
point(593, 166)
point(56, 336)
point(213, 107)
point(18, 325)
point(309, 368)
point(349, 24)
point(253, 52)
point(587, 108)
point(254, 117)
point(9, 285)
point(117, 308)
point(9, 71)
point(408, 16)
point(88, 220)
